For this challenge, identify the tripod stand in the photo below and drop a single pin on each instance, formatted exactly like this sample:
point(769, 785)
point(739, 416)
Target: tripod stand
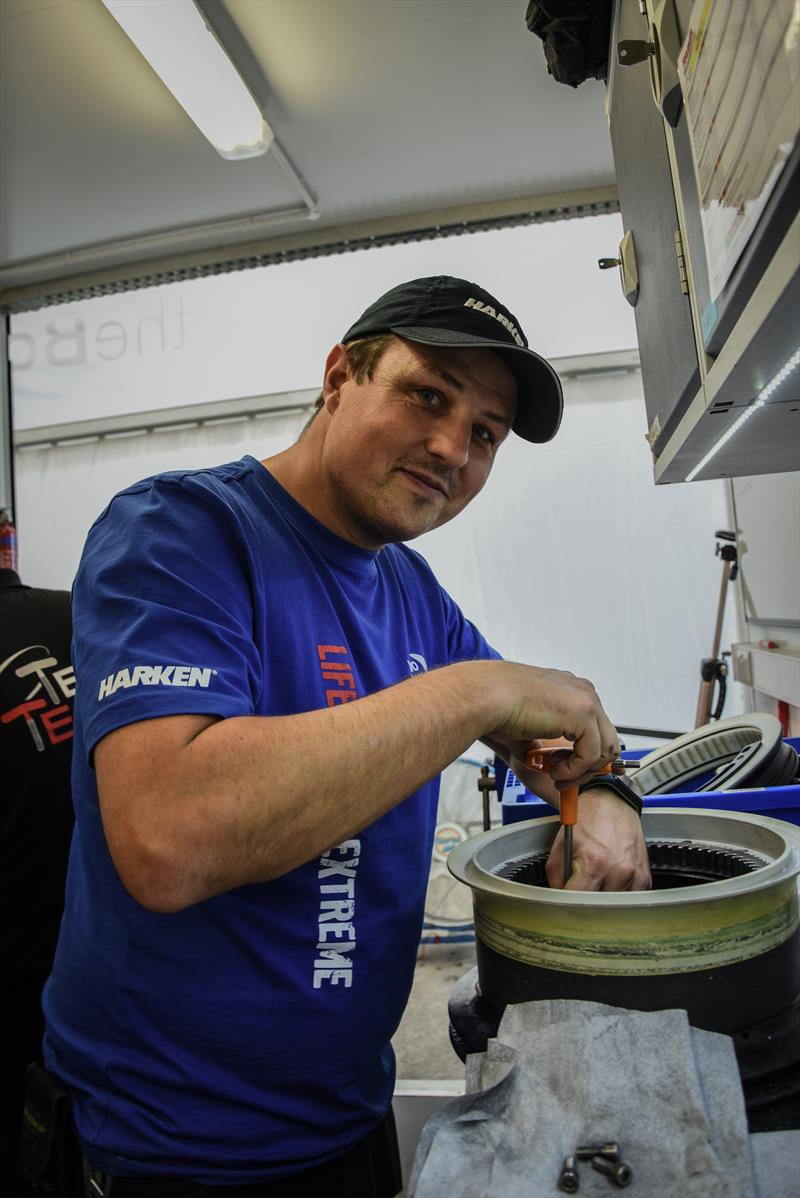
point(714, 669)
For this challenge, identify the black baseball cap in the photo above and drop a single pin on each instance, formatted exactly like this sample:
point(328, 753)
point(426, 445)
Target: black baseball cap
point(441, 310)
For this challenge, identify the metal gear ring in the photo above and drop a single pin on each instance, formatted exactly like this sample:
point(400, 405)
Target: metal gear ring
point(731, 754)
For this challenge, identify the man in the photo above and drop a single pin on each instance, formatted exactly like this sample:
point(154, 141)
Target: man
point(36, 695)
point(249, 868)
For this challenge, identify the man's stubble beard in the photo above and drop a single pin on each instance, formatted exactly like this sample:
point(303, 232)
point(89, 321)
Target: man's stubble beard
point(377, 524)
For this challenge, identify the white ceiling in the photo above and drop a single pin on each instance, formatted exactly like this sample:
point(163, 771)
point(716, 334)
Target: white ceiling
point(394, 112)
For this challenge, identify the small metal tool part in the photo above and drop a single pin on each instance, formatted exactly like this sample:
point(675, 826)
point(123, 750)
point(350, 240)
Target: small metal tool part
point(568, 1180)
point(486, 783)
point(609, 1150)
point(616, 1171)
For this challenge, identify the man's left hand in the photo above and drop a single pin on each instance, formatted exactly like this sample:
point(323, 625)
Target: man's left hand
point(609, 851)
point(608, 847)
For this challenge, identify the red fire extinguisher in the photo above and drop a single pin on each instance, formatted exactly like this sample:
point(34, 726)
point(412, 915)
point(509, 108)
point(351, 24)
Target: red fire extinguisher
point(8, 542)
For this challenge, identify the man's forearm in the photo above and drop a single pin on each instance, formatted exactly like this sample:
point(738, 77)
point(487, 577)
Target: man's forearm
point(247, 799)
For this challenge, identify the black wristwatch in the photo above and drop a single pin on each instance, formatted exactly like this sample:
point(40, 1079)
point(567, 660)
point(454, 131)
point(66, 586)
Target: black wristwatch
point(620, 787)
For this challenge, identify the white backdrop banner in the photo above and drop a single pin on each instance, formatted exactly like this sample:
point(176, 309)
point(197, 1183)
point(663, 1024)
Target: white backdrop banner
point(270, 329)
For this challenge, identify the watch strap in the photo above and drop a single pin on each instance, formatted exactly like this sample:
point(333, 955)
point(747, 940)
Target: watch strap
point(620, 786)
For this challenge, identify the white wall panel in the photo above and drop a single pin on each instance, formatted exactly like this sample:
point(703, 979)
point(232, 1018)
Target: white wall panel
point(768, 517)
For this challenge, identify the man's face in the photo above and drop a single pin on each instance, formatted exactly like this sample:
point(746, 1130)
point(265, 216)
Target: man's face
point(406, 450)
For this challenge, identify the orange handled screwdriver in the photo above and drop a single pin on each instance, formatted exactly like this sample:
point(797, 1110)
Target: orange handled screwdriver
point(543, 759)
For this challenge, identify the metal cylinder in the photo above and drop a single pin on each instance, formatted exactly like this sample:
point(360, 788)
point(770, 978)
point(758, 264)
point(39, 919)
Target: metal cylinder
point(707, 948)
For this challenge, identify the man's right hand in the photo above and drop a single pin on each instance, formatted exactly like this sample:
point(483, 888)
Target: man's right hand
point(534, 703)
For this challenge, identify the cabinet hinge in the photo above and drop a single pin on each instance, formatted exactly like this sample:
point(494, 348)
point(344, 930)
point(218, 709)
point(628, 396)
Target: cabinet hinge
point(681, 262)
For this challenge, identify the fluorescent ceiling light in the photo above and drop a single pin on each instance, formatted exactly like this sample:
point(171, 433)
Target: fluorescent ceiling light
point(173, 37)
point(763, 397)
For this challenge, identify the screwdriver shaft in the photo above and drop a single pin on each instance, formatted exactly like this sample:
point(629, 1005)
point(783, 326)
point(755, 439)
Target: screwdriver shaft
point(567, 852)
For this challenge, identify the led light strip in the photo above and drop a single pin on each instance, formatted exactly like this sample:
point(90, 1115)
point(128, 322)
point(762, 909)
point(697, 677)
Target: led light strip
point(763, 397)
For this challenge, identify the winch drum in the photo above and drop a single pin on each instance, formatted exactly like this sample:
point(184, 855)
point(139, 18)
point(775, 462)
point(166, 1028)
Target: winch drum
point(726, 950)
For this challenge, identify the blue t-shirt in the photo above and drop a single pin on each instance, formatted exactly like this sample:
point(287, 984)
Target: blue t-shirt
point(246, 1037)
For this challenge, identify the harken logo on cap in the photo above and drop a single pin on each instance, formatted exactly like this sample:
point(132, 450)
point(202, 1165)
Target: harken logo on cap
point(488, 310)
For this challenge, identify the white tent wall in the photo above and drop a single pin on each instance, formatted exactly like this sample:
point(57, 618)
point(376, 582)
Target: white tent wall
point(571, 557)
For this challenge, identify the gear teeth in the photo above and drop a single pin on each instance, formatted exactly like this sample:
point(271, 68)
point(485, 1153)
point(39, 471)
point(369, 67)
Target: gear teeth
point(703, 862)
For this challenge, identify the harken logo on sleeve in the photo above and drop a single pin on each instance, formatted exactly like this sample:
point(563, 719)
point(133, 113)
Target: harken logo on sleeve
point(155, 676)
point(415, 663)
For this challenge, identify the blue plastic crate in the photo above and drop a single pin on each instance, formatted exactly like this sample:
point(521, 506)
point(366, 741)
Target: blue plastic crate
point(778, 802)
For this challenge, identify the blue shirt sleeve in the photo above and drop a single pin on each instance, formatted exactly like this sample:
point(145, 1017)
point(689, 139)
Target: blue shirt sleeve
point(163, 613)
